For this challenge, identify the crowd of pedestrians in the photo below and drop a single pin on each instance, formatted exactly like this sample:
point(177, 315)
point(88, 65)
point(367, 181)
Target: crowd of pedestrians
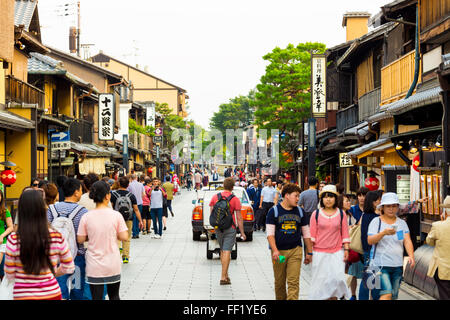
point(69, 239)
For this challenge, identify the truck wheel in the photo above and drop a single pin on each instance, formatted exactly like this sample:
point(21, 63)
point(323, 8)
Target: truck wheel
point(249, 236)
point(196, 235)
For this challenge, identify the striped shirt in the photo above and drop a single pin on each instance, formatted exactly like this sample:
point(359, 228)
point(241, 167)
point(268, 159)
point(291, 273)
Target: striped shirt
point(44, 285)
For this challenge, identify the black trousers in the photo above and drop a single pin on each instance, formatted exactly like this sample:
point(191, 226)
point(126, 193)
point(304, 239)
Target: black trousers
point(266, 207)
point(112, 289)
point(443, 287)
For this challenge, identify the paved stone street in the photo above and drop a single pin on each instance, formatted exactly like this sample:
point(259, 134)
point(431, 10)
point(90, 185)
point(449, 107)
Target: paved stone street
point(176, 267)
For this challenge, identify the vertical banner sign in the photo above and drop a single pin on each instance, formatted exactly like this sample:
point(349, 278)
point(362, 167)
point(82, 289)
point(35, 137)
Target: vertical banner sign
point(312, 147)
point(151, 115)
point(105, 116)
point(318, 85)
point(125, 152)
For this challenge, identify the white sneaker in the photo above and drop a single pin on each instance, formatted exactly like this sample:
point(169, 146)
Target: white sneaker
point(157, 236)
point(153, 236)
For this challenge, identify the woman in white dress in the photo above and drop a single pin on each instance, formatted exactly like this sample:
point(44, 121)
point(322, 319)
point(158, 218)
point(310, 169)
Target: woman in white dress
point(330, 237)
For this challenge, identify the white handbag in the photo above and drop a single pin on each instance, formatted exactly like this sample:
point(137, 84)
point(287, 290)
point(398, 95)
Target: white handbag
point(6, 289)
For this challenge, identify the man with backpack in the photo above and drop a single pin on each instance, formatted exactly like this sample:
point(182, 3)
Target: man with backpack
point(286, 225)
point(225, 216)
point(65, 217)
point(125, 202)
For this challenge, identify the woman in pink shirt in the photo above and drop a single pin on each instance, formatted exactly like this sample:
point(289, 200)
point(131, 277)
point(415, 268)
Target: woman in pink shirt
point(103, 226)
point(329, 234)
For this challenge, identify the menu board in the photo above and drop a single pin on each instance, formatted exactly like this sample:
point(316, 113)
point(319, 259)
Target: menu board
point(423, 192)
point(436, 194)
point(403, 187)
point(430, 194)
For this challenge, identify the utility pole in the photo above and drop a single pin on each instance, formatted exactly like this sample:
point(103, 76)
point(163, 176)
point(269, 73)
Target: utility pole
point(78, 29)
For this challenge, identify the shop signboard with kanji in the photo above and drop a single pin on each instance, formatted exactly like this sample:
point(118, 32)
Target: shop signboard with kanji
point(318, 85)
point(105, 116)
point(345, 161)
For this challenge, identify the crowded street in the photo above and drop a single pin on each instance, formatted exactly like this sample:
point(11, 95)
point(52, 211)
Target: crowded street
point(176, 267)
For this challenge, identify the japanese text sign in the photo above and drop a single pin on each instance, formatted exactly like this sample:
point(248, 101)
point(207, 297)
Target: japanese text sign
point(318, 85)
point(106, 116)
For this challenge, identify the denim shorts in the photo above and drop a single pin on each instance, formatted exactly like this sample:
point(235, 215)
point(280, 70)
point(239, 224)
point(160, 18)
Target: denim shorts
point(391, 278)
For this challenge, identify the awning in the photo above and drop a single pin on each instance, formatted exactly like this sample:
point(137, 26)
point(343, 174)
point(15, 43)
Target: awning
point(12, 121)
point(96, 165)
point(383, 147)
point(90, 149)
point(415, 101)
point(421, 132)
point(324, 162)
point(55, 121)
point(382, 115)
point(368, 147)
point(359, 130)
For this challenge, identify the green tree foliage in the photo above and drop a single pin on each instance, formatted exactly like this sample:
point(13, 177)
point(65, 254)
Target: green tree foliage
point(283, 95)
point(134, 127)
point(237, 113)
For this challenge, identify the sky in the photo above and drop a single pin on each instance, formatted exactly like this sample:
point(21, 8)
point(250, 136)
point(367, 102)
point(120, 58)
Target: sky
point(213, 49)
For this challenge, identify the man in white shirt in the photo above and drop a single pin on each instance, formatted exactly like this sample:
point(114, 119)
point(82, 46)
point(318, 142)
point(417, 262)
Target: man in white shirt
point(268, 197)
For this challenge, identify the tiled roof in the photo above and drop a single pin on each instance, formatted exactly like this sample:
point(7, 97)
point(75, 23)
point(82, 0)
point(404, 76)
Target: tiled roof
point(368, 147)
point(23, 12)
point(40, 64)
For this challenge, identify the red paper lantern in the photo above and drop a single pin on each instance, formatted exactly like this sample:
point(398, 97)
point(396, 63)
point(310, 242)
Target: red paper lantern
point(372, 183)
point(149, 171)
point(416, 163)
point(8, 177)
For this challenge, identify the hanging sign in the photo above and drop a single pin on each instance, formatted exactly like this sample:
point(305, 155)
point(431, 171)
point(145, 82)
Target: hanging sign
point(318, 85)
point(105, 116)
point(344, 160)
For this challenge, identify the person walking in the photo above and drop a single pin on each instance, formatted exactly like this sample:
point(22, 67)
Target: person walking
point(371, 202)
point(227, 237)
point(439, 237)
point(388, 234)
point(60, 180)
point(215, 176)
point(189, 180)
point(137, 189)
point(309, 199)
point(125, 202)
point(156, 208)
point(36, 253)
point(254, 193)
point(103, 227)
point(198, 180)
point(286, 225)
point(69, 208)
point(51, 194)
point(205, 179)
point(353, 269)
point(330, 237)
point(268, 194)
point(169, 188)
point(146, 218)
point(6, 226)
point(85, 200)
point(357, 210)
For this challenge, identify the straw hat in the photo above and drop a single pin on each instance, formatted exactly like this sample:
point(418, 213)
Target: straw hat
point(328, 188)
point(446, 203)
